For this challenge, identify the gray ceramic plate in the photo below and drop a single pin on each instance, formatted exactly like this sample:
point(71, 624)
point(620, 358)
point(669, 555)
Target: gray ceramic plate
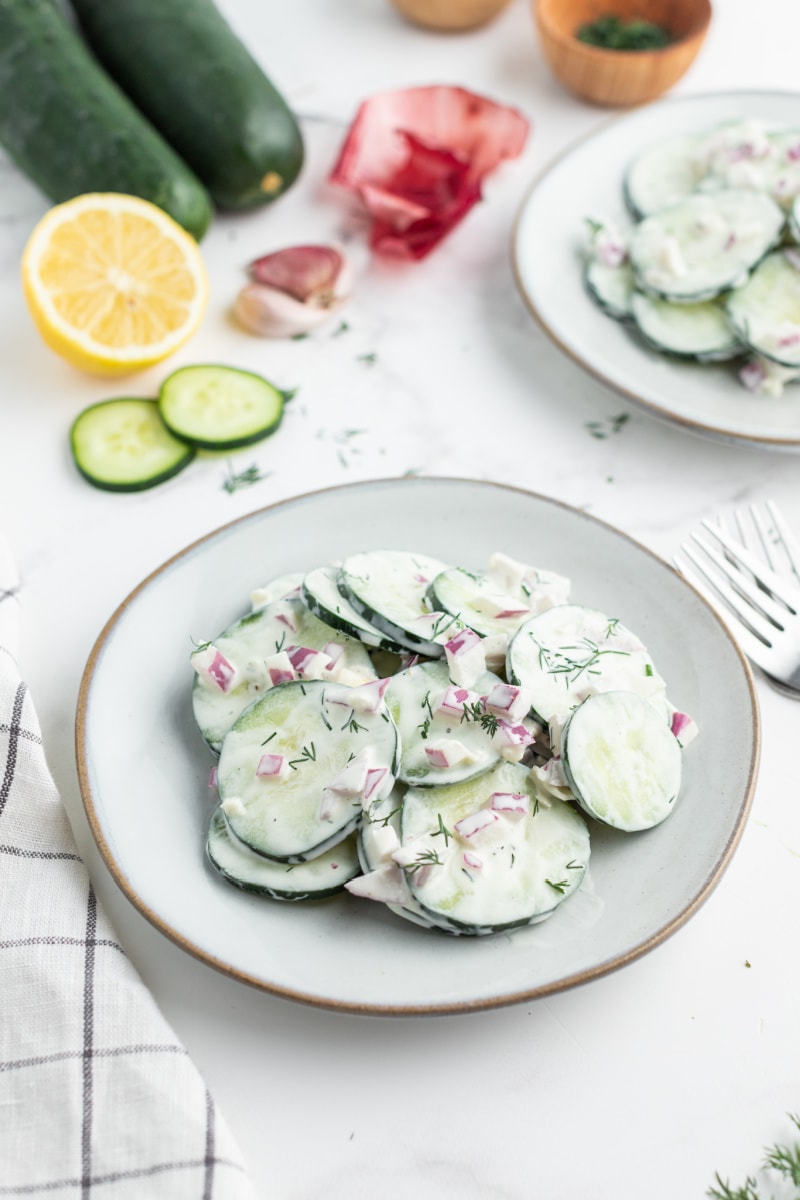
point(586, 181)
point(144, 769)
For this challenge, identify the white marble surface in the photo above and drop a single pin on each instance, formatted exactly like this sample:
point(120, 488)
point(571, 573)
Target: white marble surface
point(645, 1082)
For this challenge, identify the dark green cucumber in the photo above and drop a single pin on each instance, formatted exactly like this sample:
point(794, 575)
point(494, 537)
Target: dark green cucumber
point(123, 445)
point(188, 72)
point(70, 128)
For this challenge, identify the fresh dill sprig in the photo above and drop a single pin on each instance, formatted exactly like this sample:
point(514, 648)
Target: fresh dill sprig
point(561, 886)
point(561, 662)
point(425, 858)
point(782, 1160)
point(475, 712)
point(307, 754)
point(235, 480)
point(442, 831)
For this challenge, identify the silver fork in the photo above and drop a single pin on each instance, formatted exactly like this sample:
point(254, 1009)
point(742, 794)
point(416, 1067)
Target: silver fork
point(755, 591)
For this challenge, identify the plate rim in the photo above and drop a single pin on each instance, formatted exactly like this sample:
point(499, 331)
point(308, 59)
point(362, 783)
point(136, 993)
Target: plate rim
point(441, 1008)
point(717, 432)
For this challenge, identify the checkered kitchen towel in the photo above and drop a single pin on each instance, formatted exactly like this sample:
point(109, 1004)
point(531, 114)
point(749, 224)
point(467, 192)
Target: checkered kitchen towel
point(97, 1097)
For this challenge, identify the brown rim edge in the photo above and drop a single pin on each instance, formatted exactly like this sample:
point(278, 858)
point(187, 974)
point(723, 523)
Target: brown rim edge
point(718, 434)
point(441, 1009)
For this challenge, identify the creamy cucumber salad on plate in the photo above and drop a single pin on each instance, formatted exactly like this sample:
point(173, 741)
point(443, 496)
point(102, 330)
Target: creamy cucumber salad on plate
point(435, 739)
point(708, 270)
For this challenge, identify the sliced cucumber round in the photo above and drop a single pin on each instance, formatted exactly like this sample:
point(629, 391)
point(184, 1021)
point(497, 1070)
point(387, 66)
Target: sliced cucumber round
point(310, 734)
point(611, 288)
point(697, 331)
point(569, 652)
point(488, 854)
point(123, 445)
point(765, 311)
point(621, 761)
point(389, 589)
point(704, 245)
point(322, 876)
point(220, 408)
point(662, 175)
point(461, 742)
point(478, 601)
point(324, 599)
point(246, 644)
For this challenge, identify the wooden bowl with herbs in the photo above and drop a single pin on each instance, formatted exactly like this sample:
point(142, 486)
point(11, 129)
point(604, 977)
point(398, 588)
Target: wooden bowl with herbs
point(620, 53)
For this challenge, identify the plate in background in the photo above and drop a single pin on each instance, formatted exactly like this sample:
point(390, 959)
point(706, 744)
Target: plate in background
point(547, 241)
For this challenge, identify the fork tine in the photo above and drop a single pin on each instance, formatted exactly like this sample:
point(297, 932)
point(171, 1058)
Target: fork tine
point(787, 538)
point(752, 646)
point(759, 602)
point(777, 586)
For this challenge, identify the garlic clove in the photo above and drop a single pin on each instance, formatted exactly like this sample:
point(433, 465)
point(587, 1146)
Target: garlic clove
point(269, 312)
point(308, 273)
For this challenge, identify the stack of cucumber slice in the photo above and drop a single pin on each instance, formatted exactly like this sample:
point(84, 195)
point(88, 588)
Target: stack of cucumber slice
point(710, 271)
point(432, 738)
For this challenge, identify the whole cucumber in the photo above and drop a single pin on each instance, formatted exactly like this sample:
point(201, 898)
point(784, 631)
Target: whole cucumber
point(188, 72)
point(71, 129)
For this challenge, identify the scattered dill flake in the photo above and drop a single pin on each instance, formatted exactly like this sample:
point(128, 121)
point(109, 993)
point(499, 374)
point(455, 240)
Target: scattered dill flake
point(341, 328)
point(235, 480)
point(300, 337)
point(614, 33)
point(369, 359)
point(289, 394)
point(747, 963)
point(603, 429)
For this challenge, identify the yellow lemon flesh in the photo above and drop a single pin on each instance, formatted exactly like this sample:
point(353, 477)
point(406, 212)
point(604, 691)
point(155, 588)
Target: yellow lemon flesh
point(113, 283)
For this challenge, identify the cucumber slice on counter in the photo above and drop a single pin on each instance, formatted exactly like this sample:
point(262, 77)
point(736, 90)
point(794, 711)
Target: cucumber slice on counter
point(220, 408)
point(696, 331)
point(488, 854)
point(765, 311)
point(314, 731)
point(123, 445)
point(322, 876)
point(622, 762)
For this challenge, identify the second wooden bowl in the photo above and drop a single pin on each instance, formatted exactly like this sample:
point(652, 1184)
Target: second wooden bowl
point(620, 78)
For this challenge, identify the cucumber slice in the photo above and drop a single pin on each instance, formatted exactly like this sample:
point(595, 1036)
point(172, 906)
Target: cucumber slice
point(765, 311)
point(310, 727)
point(622, 762)
point(322, 876)
point(220, 408)
point(611, 288)
point(389, 589)
point(570, 652)
point(696, 331)
point(324, 599)
point(489, 854)
point(662, 175)
point(704, 245)
point(246, 644)
point(124, 446)
point(490, 608)
point(412, 698)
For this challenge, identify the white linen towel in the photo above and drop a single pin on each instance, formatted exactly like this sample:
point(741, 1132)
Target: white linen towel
point(98, 1098)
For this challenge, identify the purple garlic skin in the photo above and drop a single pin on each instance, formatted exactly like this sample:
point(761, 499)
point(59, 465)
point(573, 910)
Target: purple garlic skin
point(293, 291)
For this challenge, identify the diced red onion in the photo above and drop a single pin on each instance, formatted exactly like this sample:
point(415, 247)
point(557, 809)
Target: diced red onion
point(334, 651)
point(514, 802)
point(752, 375)
point(212, 664)
point(473, 824)
point(464, 641)
point(280, 675)
point(471, 860)
point(507, 700)
point(271, 766)
point(212, 777)
point(437, 756)
point(507, 734)
point(453, 701)
point(376, 779)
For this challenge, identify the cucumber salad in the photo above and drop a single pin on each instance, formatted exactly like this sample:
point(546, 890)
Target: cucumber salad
point(709, 269)
point(431, 738)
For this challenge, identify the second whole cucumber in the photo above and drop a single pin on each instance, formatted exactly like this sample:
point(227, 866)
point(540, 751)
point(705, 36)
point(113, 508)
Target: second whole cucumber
point(189, 73)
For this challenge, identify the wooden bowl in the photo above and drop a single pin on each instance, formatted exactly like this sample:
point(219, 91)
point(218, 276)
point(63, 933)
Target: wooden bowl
point(450, 16)
point(620, 78)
